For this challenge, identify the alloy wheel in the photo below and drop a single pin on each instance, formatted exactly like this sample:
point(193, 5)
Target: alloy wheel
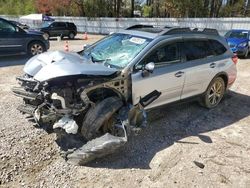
point(36, 49)
point(216, 93)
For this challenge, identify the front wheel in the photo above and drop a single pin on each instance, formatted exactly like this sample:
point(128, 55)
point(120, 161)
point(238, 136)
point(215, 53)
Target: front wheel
point(214, 93)
point(101, 118)
point(35, 48)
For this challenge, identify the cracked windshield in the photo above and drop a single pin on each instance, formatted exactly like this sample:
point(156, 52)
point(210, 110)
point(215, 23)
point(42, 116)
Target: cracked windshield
point(116, 50)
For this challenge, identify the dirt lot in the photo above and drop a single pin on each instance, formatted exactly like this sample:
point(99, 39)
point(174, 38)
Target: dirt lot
point(183, 145)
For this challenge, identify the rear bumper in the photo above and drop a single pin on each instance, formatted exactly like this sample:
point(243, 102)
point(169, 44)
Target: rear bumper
point(239, 51)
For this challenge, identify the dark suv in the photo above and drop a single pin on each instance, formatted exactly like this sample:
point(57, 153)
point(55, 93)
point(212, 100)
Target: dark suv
point(14, 40)
point(61, 29)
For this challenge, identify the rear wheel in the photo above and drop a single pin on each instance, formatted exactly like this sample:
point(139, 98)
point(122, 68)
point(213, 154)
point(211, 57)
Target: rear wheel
point(35, 48)
point(71, 35)
point(214, 93)
point(101, 118)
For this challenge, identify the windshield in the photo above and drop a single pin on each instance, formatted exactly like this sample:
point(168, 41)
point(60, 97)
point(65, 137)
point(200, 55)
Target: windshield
point(237, 34)
point(116, 50)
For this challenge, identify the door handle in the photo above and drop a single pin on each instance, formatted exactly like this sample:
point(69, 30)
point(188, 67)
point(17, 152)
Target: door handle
point(179, 74)
point(212, 65)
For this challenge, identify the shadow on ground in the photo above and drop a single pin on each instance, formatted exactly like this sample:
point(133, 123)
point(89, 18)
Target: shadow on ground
point(170, 124)
point(13, 60)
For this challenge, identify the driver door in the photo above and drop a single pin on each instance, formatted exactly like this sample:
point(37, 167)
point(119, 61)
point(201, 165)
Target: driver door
point(167, 77)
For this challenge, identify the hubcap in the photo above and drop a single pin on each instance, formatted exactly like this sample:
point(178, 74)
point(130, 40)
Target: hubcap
point(36, 49)
point(71, 35)
point(215, 93)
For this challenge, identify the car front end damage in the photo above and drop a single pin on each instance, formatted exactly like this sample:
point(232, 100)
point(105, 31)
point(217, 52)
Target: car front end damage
point(89, 104)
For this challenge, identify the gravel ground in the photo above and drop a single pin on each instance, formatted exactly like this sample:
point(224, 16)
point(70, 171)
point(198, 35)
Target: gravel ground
point(184, 145)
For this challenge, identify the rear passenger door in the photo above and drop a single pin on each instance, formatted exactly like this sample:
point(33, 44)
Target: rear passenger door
point(200, 67)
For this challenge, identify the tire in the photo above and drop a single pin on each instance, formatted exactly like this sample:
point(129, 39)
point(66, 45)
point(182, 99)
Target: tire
point(36, 48)
point(96, 117)
point(246, 54)
point(47, 35)
point(214, 93)
point(71, 35)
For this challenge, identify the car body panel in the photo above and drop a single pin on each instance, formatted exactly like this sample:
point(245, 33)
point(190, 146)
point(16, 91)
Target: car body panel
point(163, 80)
point(56, 64)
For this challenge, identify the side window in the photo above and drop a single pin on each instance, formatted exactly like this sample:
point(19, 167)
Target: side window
point(217, 47)
point(167, 54)
point(6, 27)
point(196, 50)
point(61, 24)
point(53, 24)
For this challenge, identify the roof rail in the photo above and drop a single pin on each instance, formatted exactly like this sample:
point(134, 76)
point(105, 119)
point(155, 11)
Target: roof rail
point(177, 30)
point(210, 31)
point(139, 26)
point(168, 27)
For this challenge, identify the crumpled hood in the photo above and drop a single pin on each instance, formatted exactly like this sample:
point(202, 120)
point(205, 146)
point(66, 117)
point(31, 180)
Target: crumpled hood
point(236, 41)
point(50, 65)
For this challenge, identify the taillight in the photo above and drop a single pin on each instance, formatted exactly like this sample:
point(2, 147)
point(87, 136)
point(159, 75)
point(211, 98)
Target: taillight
point(235, 59)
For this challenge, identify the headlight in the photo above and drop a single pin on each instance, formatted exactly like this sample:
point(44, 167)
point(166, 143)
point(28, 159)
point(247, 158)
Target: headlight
point(46, 36)
point(244, 44)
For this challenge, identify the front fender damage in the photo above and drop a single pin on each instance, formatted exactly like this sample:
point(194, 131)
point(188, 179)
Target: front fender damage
point(107, 144)
point(63, 102)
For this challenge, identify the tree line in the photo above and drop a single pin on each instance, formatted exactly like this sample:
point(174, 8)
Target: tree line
point(128, 8)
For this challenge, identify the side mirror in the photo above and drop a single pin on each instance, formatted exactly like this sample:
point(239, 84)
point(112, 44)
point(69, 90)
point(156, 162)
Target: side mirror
point(85, 46)
point(17, 29)
point(149, 68)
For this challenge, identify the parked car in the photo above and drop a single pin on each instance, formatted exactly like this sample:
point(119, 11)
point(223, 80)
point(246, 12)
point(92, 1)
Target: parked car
point(21, 25)
point(238, 40)
point(107, 88)
point(14, 40)
point(61, 29)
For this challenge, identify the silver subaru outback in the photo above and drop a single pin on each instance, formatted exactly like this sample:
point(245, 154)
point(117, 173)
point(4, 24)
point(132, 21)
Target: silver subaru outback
point(104, 91)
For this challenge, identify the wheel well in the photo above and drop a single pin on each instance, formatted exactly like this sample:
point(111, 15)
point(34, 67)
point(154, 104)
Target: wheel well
point(101, 93)
point(225, 78)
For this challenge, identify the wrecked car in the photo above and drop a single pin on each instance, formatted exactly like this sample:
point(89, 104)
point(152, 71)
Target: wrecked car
point(103, 92)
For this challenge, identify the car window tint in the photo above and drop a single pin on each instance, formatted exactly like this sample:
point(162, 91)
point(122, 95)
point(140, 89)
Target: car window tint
point(165, 55)
point(217, 47)
point(196, 50)
point(6, 27)
point(61, 24)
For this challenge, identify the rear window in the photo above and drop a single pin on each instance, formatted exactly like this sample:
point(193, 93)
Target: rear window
point(196, 49)
point(217, 47)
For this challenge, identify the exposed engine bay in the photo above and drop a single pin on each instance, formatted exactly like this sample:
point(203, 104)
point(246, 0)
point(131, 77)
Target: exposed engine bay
point(61, 92)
